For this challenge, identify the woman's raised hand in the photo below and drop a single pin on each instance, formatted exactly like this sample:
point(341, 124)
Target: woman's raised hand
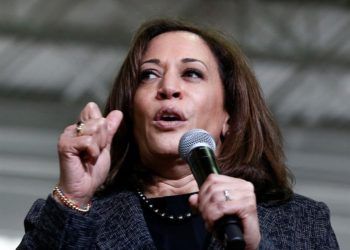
point(85, 157)
point(222, 195)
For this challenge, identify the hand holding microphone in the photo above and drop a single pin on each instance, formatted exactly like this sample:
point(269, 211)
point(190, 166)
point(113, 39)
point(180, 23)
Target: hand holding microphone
point(226, 204)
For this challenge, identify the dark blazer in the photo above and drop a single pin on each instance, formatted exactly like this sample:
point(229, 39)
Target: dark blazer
point(117, 222)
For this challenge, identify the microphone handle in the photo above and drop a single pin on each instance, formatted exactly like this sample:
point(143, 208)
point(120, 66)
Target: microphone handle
point(228, 229)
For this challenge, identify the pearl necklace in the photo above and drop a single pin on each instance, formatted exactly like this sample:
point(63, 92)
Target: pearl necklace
point(161, 213)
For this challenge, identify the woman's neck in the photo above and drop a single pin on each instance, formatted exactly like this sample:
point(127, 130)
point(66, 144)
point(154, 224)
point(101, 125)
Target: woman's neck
point(161, 186)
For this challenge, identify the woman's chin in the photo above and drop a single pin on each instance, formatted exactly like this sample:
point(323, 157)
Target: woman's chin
point(166, 152)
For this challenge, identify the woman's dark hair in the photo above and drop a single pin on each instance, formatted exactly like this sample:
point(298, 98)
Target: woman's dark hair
point(252, 148)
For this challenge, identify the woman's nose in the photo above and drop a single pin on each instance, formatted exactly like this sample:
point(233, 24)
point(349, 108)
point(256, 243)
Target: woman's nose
point(169, 91)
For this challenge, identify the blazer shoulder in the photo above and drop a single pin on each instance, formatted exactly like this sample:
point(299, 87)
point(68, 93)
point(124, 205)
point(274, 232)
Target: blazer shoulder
point(298, 203)
point(298, 214)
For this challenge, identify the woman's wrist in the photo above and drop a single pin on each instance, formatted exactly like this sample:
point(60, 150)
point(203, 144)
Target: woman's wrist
point(75, 204)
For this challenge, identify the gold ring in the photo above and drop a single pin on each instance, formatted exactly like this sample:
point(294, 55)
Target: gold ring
point(227, 195)
point(79, 128)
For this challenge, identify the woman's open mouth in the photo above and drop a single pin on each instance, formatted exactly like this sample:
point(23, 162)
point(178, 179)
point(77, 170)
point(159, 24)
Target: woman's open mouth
point(169, 118)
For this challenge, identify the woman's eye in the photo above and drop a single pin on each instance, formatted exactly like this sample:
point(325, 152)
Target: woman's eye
point(193, 73)
point(148, 75)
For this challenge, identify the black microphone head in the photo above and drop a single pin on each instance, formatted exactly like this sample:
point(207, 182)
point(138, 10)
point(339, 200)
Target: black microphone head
point(193, 139)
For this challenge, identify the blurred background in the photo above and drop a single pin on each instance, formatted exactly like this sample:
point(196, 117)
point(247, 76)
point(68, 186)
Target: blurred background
point(57, 55)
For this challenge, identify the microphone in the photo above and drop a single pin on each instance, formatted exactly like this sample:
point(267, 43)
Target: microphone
point(197, 148)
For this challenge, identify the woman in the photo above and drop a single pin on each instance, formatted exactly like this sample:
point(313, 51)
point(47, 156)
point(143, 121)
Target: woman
point(175, 78)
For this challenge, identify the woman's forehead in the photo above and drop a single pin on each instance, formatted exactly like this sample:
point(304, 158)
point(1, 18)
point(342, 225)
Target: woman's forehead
point(180, 44)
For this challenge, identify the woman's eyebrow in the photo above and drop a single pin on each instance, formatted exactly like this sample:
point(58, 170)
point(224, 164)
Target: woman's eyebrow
point(186, 60)
point(155, 61)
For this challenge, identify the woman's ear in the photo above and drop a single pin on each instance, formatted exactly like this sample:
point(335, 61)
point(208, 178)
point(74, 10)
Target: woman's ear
point(225, 126)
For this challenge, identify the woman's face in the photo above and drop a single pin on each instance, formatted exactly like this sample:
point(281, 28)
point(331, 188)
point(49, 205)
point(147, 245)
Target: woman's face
point(180, 89)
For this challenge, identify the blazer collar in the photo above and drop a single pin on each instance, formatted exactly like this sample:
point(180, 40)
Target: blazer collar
point(123, 224)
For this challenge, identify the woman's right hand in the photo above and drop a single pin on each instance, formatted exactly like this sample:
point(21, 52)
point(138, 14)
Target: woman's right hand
point(85, 158)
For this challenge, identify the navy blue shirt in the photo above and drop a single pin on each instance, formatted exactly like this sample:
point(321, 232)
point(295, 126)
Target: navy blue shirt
point(166, 234)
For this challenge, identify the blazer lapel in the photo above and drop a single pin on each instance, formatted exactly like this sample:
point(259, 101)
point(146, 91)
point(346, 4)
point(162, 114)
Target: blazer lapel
point(125, 226)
